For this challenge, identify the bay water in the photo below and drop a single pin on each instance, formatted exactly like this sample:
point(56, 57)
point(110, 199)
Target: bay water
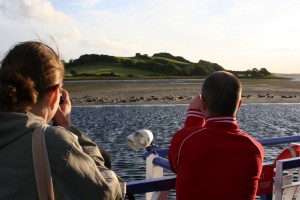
point(109, 126)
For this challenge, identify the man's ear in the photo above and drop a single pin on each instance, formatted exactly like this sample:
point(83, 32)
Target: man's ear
point(240, 103)
point(203, 104)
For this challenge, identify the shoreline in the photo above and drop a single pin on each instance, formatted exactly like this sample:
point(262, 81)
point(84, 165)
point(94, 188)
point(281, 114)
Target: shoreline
point(161, 105)
point(153, 92)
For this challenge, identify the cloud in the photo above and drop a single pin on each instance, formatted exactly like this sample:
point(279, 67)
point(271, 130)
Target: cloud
point(2, 53)
point(37, 10)
point(228, 32)
point(35, 20)
point(91, 3)
point(103, 45)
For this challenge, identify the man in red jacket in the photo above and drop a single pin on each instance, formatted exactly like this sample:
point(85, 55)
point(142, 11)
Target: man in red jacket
point(212, 157)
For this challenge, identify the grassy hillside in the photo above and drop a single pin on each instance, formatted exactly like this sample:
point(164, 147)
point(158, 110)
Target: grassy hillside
point(160, 65)
point(106, 68)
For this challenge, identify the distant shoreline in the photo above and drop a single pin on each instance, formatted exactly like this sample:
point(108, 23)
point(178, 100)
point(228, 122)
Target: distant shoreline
point(174, 91)
point(122, 78)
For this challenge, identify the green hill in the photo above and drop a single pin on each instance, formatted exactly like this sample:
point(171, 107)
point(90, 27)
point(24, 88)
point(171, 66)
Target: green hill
point(160, 65)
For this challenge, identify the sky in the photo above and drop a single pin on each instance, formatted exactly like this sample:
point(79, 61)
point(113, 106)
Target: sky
point(236, 34)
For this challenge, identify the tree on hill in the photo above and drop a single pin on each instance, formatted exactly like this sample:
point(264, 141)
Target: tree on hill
point(170, 56)
point(145, 56)
point(264, 72)
point(208, 64)
point(254, 73)
point(91, 58)
point(199, 71)
point(74, 73)
point(127, 63)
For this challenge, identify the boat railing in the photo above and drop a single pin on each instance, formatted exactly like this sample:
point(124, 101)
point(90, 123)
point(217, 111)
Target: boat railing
point(157, 185)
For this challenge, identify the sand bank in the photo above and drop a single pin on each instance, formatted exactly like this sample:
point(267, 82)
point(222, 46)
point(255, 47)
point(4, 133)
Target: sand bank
point(174, 91)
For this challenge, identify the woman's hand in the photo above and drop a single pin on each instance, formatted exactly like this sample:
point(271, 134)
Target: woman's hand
point(62, 116)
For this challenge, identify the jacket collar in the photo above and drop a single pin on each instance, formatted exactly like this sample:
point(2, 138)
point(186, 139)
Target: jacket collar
point(222, 121)
point(14, 125)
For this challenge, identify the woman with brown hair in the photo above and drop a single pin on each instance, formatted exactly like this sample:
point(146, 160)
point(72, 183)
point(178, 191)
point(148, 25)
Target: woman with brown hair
point(31, 95)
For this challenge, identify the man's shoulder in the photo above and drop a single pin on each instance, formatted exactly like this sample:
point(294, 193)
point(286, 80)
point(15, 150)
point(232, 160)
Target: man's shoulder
point(257, 145)
point(250, 138)
point(186, 133)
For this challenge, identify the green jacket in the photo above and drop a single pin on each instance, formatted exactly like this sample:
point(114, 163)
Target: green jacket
point(73, 160)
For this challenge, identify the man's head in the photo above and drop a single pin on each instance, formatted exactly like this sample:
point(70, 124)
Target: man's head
point(221, 94)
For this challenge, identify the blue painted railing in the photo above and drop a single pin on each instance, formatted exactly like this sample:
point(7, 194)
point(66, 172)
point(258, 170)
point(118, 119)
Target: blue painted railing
point(282, 165)
point(168, 182)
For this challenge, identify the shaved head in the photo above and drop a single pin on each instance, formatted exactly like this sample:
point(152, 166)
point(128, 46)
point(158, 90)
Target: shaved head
point(221, 92)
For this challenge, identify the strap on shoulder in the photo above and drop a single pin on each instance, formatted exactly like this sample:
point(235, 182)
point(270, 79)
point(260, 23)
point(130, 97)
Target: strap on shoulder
point(41, 164)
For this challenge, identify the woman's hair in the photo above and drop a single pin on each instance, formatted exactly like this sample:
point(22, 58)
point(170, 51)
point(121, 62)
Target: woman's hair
point(28, 71)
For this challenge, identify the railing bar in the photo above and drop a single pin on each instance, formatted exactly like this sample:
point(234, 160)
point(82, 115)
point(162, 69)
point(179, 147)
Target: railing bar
point(290, 163)
point(162, 162)
point(155, 184)
point(279, 140)
point(163, 152)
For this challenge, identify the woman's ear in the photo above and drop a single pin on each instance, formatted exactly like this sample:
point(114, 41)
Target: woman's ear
point(53, 97)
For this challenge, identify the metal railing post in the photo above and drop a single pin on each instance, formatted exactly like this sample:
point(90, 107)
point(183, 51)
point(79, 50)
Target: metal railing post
point(278, 181)
point(285, 187)
point(154, 171)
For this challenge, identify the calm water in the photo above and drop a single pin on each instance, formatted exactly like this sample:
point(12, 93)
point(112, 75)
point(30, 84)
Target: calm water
point(110, 125)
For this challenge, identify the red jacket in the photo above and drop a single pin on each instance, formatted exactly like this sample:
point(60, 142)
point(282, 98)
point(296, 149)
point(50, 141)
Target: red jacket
point(215, 161)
